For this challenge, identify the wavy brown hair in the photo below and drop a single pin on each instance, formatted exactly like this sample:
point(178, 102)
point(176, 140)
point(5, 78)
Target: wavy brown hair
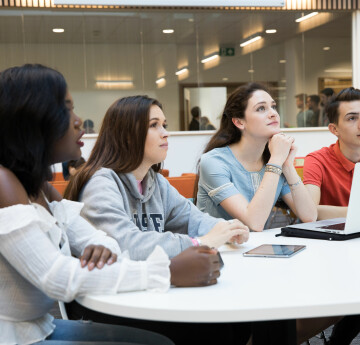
point(120, 144)
point(228, 133)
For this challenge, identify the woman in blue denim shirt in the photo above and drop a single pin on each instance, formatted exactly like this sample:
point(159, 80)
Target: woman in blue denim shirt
point(248, 163)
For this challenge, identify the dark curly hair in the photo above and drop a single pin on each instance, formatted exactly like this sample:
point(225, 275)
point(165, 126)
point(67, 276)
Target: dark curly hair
point(33, 116)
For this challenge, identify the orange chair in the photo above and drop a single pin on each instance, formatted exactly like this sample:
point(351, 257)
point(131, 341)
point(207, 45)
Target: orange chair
point(183, 184)
point(58, 176)
point(164, 172)
point(60, 186)
point(188, 174)
point(299, 166)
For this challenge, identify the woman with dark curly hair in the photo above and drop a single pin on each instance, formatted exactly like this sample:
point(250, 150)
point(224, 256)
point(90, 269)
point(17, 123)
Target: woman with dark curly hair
point(39, 232)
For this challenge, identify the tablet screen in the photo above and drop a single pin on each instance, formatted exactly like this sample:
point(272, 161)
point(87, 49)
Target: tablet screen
point(275, 250)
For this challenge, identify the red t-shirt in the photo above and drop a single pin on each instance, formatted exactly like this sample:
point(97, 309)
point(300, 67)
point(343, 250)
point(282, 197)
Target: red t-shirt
point(328, 169)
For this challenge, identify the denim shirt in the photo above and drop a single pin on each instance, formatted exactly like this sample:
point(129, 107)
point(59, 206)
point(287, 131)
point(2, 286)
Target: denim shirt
point(222, 176)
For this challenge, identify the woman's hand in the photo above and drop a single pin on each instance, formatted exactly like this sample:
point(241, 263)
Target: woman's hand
point(279, 146)
point(289, 162)
point(228, 231)
point(195, 266)
point(97, 256)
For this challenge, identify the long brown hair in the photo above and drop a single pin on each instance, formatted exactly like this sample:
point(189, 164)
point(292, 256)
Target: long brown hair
point(228, 133)
point(121, 141)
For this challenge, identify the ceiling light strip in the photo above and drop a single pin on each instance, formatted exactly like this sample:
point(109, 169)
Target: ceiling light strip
point(252, 40)
point(160, 80)
point(181, 71)
point(210, 58)
point(308, 16)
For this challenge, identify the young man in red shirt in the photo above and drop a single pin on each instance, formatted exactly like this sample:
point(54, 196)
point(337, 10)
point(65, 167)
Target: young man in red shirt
point(328, 175)
point(328, 172)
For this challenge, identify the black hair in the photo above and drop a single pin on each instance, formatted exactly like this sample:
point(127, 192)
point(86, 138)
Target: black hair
point(195, 111)
point(328, 91)
point(346, 95)
point(315, 99)
point(33, 116)
point(76, 163)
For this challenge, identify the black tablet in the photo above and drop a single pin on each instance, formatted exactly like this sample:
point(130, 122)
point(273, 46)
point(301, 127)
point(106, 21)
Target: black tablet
point(275, 250)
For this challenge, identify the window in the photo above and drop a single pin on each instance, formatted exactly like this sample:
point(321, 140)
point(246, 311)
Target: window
point(107, 55)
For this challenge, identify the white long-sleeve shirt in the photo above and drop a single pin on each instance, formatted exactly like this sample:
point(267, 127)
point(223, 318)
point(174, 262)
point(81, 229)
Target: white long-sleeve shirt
point(36, 267)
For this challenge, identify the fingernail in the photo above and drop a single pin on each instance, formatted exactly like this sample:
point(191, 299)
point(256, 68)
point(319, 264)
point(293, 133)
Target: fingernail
point(83, 263)
point(110, 261)
point(100, 264)
point(91, 265)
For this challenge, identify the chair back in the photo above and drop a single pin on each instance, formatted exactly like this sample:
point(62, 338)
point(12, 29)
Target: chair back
point(164, 172)
point(58, 176)
point(299, 166)
point(183, 184)
point(60, 186)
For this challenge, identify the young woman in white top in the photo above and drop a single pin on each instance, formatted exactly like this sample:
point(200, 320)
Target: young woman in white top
point(39, 231)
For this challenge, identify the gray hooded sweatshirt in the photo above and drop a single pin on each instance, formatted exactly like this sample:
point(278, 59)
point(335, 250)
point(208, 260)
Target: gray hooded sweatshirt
point(161, 216)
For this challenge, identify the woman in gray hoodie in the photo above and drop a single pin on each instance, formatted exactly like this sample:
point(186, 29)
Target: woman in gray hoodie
point(125, 196)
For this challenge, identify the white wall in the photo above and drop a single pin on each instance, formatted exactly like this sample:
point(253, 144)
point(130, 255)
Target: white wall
point(185, 148)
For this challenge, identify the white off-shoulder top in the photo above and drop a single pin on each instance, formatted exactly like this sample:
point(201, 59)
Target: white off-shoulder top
point(36, 267)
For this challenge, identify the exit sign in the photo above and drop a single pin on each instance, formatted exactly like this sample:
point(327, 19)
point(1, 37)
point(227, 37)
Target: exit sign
point(227, 51)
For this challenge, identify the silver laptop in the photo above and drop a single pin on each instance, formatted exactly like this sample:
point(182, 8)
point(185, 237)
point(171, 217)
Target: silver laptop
point(342, 226)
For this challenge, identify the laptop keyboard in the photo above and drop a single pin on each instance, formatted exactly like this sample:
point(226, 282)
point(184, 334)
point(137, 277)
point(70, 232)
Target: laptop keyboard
point(339, 226)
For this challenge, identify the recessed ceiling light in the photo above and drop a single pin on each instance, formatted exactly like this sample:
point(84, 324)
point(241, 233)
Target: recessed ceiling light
point(282, 61)
point(252, 40)
point(270, 31)
point(251, 70)
point(168, 31)
point(58, 30)
point(326, 48)
point(312, 14)
point(191, 20)
point(225, 79)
